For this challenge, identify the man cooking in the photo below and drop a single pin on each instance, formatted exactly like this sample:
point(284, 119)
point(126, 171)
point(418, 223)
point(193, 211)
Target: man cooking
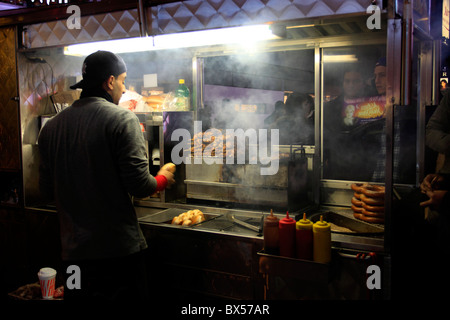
point(93, 160)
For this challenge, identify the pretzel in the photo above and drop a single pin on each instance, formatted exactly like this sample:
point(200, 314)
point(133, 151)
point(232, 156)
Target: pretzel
point(368, 213)
point(372, 201)
point(373, 191)
point(372, 208)
point(357, 202)
point(368, 219)
point(357, 187)
point(357, 209)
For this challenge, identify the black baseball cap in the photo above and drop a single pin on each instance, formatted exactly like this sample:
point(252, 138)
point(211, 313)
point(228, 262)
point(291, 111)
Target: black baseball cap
point(381, 62)
point(99, 66)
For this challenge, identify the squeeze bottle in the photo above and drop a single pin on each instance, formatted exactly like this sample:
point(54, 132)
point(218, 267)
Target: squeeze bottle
point(271, 234)
point(304, 238)
point(287, 236)
point(322, 241)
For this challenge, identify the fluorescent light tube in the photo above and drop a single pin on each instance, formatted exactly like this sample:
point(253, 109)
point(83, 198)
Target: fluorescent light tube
point(245, 35)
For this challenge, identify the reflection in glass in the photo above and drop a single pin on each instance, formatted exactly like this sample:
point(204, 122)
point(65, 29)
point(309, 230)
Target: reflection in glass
point(353, 112)
point(354, 128)
point(270, 90)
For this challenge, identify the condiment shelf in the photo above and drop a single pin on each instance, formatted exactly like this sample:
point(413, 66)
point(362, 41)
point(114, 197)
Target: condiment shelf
point(306, 270)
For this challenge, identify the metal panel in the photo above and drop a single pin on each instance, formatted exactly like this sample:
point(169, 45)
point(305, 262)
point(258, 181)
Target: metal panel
point(393, 91)
point(9, 115)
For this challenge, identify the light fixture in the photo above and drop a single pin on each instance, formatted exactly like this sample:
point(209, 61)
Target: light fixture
point(340, 58)
point(245, 35)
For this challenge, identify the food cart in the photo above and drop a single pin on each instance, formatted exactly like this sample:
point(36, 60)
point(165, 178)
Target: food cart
point(234, 86)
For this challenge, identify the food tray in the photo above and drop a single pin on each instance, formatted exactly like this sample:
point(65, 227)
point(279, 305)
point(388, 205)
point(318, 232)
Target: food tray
point(167, 215)
point(356, 227)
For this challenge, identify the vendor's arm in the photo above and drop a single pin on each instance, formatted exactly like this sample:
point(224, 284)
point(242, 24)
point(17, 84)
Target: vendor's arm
point(132, 160)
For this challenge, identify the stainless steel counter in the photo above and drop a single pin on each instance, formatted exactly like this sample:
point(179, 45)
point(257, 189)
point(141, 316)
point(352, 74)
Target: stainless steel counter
point(367, 237)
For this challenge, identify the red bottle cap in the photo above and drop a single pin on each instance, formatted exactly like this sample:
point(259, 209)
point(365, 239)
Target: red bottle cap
point(287, 220)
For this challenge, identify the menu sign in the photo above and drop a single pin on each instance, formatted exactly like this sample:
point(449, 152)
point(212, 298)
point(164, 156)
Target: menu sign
point(363, 110)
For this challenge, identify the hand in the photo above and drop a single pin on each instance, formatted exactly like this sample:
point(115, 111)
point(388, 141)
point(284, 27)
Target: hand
point(168, 171)
point(435, 198)
point(431, 182)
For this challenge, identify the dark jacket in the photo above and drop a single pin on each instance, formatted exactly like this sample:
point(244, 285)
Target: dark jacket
point(438, 131)
point(93, 158)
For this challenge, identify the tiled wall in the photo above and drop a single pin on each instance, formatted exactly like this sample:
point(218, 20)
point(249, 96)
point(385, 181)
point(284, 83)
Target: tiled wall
point(187, 16)
point(37, 82)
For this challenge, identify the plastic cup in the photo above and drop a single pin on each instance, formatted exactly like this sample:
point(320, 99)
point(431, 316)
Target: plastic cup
point(47, 278)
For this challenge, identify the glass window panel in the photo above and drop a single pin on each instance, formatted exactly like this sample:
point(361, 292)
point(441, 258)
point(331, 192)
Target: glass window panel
point(353, 113)
point(242, 91)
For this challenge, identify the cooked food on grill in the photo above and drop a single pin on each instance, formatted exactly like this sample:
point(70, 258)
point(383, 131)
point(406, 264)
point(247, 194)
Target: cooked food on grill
point(189, 218)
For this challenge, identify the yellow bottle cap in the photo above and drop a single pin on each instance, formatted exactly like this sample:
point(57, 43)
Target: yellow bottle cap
point(303, 224)
point(181, 81)
point(322, 225)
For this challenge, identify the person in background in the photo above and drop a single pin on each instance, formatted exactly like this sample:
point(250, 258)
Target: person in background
point(379, 172)
point(438, 132)
point(379, 74)
point(297, 125)
point(444, 87)
point(277, 113)
point(435, 187)
point(341, 152)
point(93, 161)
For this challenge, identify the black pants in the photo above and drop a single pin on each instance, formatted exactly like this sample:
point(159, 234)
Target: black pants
point(114, 279)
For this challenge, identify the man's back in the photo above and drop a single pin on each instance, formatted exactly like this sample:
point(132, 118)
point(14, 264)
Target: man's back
point(94, 153)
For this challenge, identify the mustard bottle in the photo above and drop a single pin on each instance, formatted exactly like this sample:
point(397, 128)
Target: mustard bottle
point(322, 241)
point(304, 238)
point(271, 234)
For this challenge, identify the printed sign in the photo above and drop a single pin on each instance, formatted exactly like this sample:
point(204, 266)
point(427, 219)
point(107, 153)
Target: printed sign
point(363, 110)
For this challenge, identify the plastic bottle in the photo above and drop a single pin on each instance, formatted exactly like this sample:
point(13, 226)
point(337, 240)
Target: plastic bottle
point(182, 97)
point(322, 241)
point(271, 234)
point(287, 237)
point(304, 238)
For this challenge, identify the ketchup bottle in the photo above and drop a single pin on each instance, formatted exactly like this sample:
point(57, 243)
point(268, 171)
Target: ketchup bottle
point(271, 234)
point(304, 238)
point(322, 241)
point(287, 237)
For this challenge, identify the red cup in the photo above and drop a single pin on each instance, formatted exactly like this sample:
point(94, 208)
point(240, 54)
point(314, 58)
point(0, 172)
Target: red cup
point(47, 278)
